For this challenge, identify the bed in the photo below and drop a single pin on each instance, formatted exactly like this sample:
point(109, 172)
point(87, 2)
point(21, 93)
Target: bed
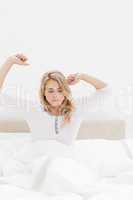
point(102, 157)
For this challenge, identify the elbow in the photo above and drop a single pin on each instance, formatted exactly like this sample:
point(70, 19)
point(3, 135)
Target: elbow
point(101, 86)
point(106, 89)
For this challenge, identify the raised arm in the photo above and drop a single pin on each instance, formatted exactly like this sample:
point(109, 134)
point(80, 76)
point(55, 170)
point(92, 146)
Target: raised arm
point(18, 59)
point(75, 78)
point(90, 102)
point(97, 83)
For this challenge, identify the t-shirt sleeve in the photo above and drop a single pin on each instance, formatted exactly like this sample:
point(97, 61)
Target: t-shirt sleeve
point(93, 102)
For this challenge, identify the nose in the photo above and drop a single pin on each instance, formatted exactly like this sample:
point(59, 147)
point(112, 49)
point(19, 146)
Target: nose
point(55, 94)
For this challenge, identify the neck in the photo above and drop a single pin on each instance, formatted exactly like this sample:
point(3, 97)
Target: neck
point(55, 111)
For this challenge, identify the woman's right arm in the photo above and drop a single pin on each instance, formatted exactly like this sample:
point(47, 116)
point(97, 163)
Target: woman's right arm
point(8, 101)
point(18, 59)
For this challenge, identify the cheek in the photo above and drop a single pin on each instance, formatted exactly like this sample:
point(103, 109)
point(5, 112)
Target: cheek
point(48, 96)
point(61, 98)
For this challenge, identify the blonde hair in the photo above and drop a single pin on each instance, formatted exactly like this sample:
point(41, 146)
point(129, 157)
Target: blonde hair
point(68, 106)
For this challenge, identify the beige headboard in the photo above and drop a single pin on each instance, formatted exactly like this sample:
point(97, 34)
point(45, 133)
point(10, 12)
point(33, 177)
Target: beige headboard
point(89, 129)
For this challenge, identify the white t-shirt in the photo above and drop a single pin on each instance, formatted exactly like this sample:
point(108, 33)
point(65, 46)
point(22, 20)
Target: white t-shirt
point(44, 126)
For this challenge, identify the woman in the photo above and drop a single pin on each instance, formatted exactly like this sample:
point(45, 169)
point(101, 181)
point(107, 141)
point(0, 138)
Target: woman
point(58, 115)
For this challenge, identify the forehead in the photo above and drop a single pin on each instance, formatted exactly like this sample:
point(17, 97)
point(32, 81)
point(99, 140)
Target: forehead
point(52, 84)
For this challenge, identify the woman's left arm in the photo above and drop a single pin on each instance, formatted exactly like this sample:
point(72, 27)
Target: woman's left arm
point(73, 79)
point(97, 83)
point(94, 101)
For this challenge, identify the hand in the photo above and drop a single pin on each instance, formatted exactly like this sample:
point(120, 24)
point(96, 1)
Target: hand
point(19, 59)
point(72, 79)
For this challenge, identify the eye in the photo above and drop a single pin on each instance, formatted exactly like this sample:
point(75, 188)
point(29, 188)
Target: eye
point(59, 90)
point(50, 91)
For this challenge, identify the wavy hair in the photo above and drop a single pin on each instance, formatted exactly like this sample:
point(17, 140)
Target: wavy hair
point(68, 105)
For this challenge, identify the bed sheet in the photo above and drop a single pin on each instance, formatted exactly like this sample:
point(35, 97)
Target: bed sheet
point(91, 169)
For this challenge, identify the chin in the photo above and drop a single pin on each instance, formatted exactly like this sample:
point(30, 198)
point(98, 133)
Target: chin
point(56, 105)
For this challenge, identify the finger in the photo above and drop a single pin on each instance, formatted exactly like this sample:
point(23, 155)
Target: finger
point(21, 62)
point(70, 81)
point(72, 76)
point(21, 57)
point(24, 57)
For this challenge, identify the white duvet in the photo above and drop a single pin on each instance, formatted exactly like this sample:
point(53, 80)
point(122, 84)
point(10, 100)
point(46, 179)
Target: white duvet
point(91, 169)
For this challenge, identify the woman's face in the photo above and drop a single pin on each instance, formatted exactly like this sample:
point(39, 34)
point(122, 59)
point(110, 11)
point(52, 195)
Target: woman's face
point(53, 93)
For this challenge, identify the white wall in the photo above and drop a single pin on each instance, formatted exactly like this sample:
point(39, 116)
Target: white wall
point(92, 36)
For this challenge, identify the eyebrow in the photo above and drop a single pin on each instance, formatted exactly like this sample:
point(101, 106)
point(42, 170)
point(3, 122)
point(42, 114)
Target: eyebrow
point(52, 88)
